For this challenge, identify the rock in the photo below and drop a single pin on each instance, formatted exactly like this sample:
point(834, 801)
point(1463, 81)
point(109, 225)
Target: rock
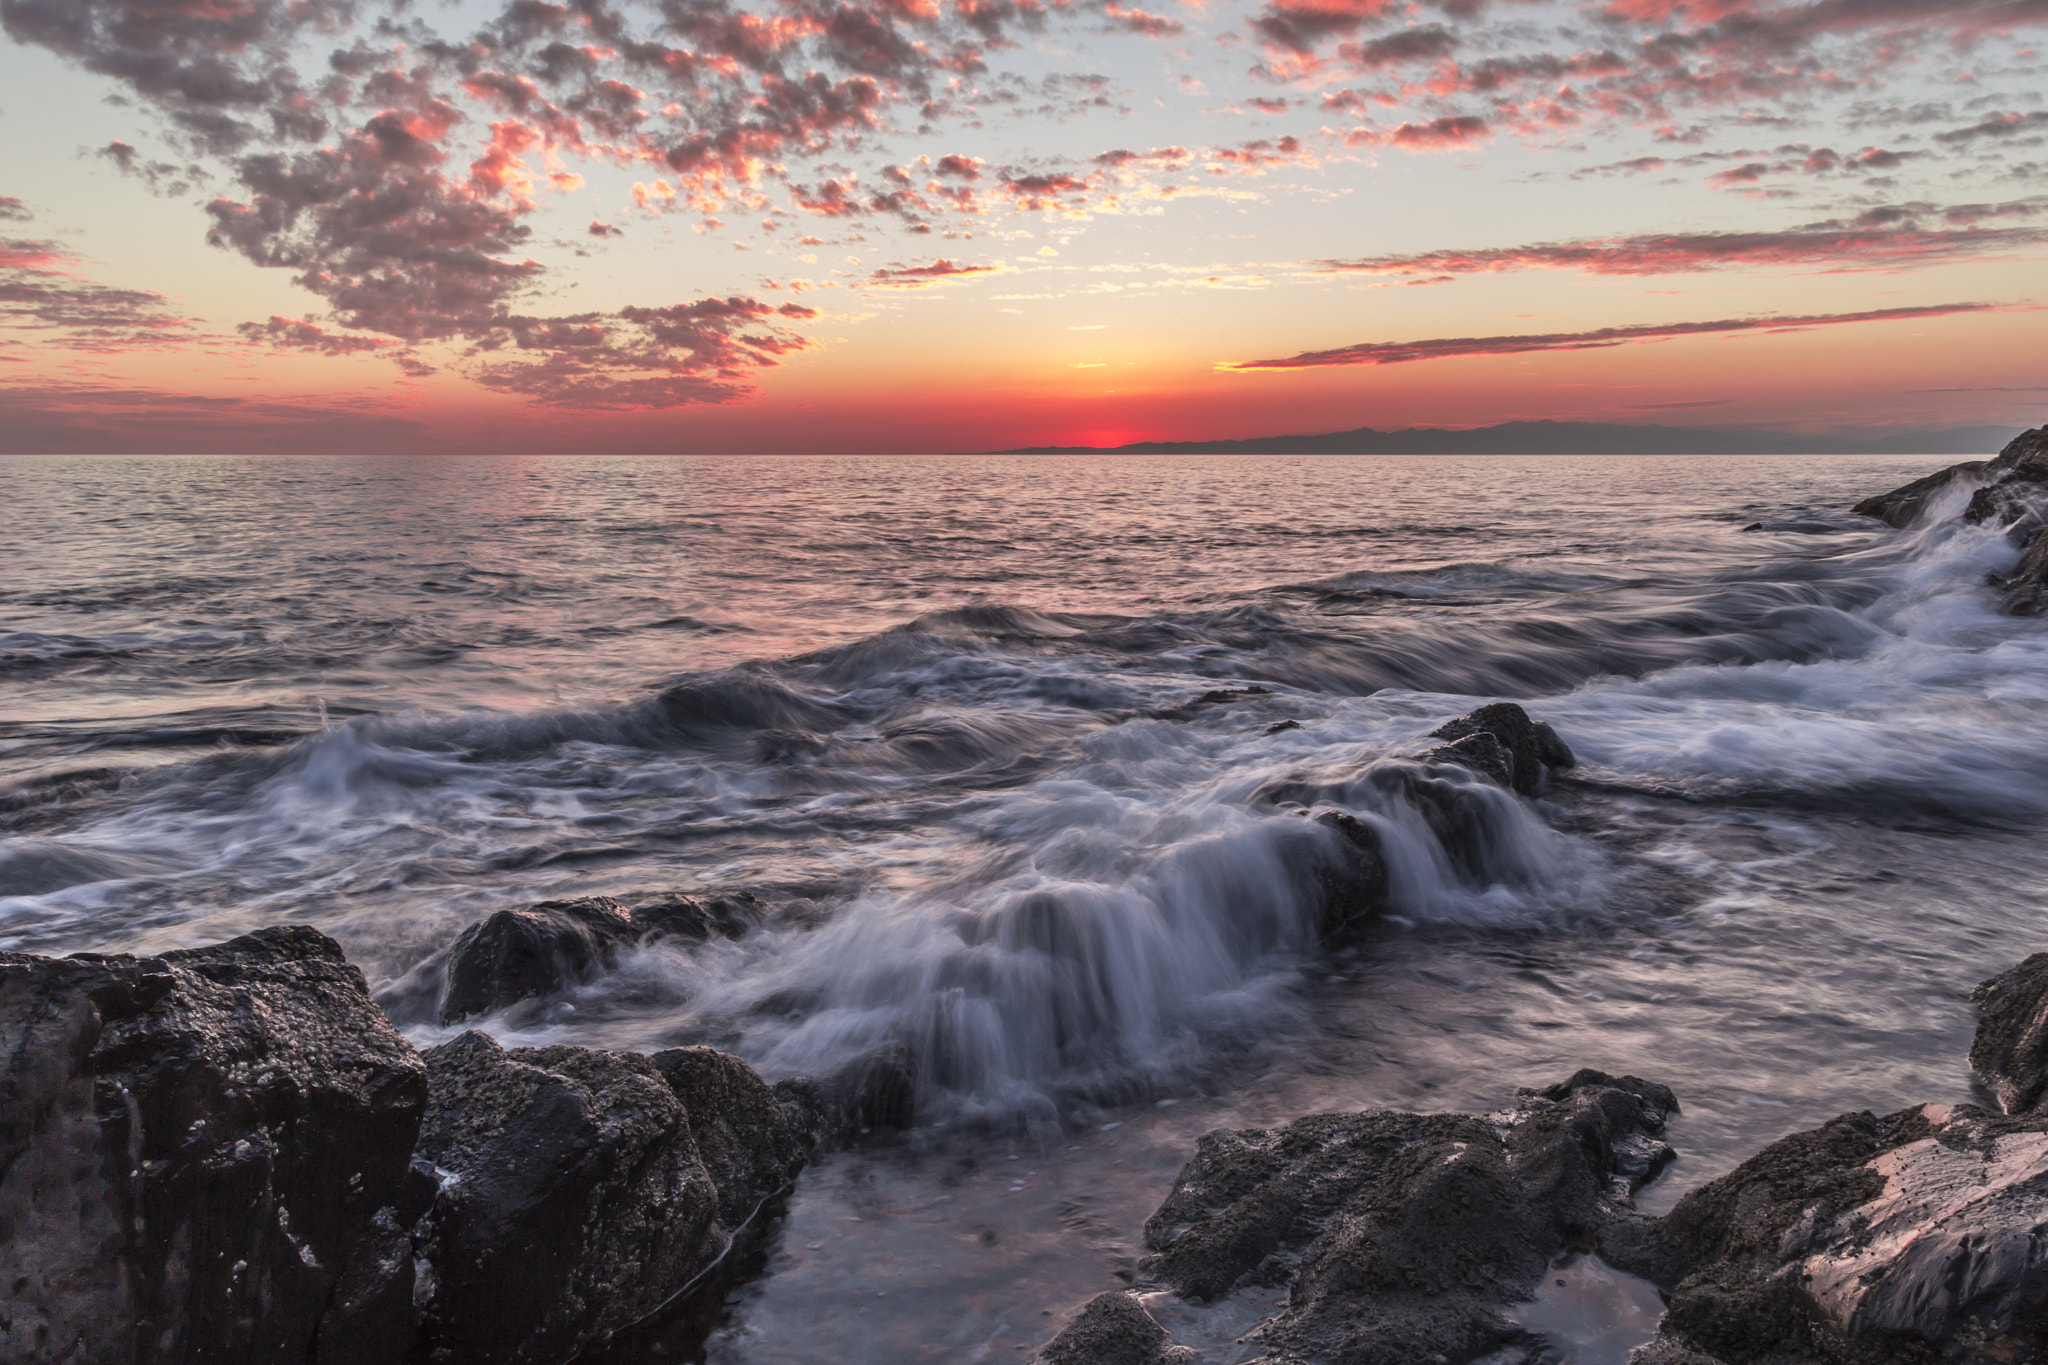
point(1281, 727)
point(2010, 1050)
point(751, 1139)
point(1354, 883)
point(2014, 495)
point(2025, 590)
point(1902, 506)
point(1115, 1329)
point(515, 955)
point(1402, 1237)
point(1481, 753)
point(575, 1199)
point(1222, 696)
point(1532, 749)
point(699, 918)
point(1915, 1237)
point(203, 1157)
point(2013, 485)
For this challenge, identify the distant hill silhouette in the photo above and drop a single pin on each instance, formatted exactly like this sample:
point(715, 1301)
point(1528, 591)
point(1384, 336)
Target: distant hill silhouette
point(1573, 438)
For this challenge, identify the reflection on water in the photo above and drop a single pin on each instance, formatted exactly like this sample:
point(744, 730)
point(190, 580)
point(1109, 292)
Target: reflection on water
point(1589, 1313)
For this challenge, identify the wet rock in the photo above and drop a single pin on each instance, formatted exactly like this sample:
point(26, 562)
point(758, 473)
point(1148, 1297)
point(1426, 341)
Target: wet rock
point(1532, 749)
point(1902, 506)
point(575, 1197)
point(1481, 753)
point(699, 919)
point(751, 1139)
point(515, 955)
point(1354, 884)
point(2024, 592)
point(1403, 1237)
point(1281, 727)
point(203, 1156)
point(1913, 1238)
point(1115, 1329)
point(1222, 696)
point(2010, 1051)
point(2015, 488)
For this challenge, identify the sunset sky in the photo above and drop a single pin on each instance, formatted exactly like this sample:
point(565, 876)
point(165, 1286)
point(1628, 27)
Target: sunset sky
point(877, 225)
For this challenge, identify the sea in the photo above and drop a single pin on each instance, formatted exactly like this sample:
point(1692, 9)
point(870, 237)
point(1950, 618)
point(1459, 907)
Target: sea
point(943, 715)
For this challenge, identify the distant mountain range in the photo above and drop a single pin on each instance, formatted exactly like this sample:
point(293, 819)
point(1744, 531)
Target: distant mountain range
point(1574, 438)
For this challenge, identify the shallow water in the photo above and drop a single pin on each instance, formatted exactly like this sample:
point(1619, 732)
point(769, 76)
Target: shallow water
point(944, 712)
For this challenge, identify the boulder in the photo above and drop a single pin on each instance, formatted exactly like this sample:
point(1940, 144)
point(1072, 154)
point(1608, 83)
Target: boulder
point(1115, 1329)
point(1530, 750)
point(516, 955)
point(1902, 506)
point(1481, 753)
point(2010, 1051)
point(2014, 482)
point(698, 919)
point(1917, 1237)
point(1403, 1237)
point(204, 1157)
point(751, 1139)
point(1354, 882)
point(576, 1199)
point(2024, 592)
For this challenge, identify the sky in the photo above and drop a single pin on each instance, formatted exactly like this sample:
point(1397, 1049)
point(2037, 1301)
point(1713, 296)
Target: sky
point(923, 225)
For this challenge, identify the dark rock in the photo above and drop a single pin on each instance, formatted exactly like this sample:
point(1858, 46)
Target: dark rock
point(875, 1092)
point(1915, 1237)
point(203, 1157)
point(1532, 748)
point(2016, 486)
point(2025, 589)
point(1222, 696)
point(1481, 753)
point(751, 1140)
point(1225, 695)
point(1281, 727)
point(1902, 506)
point(2011, 1047)
point(1114, 1329)
point(1402, 1237)
point(699, 918)
point(516, 955)
point(575, 1201)
point(1354, 883)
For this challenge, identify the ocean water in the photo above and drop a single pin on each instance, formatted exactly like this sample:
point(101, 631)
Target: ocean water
point(943, 715)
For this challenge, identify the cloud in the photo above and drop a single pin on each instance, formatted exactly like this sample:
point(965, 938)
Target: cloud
point(1299, 25)
point(1408, 352)
point(1998, 125)
point(1409, 45)
point(161, 176)
point(1448, 133)
point(303, 334)
point(920, 276)
point(688, 353)
point(1139, 21)
point(12, 210)
point(1879, 239)
point(41, 294)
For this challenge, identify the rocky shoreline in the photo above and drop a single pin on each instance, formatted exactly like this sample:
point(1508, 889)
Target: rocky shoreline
point(2010, 493)
point(1920, 1236)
